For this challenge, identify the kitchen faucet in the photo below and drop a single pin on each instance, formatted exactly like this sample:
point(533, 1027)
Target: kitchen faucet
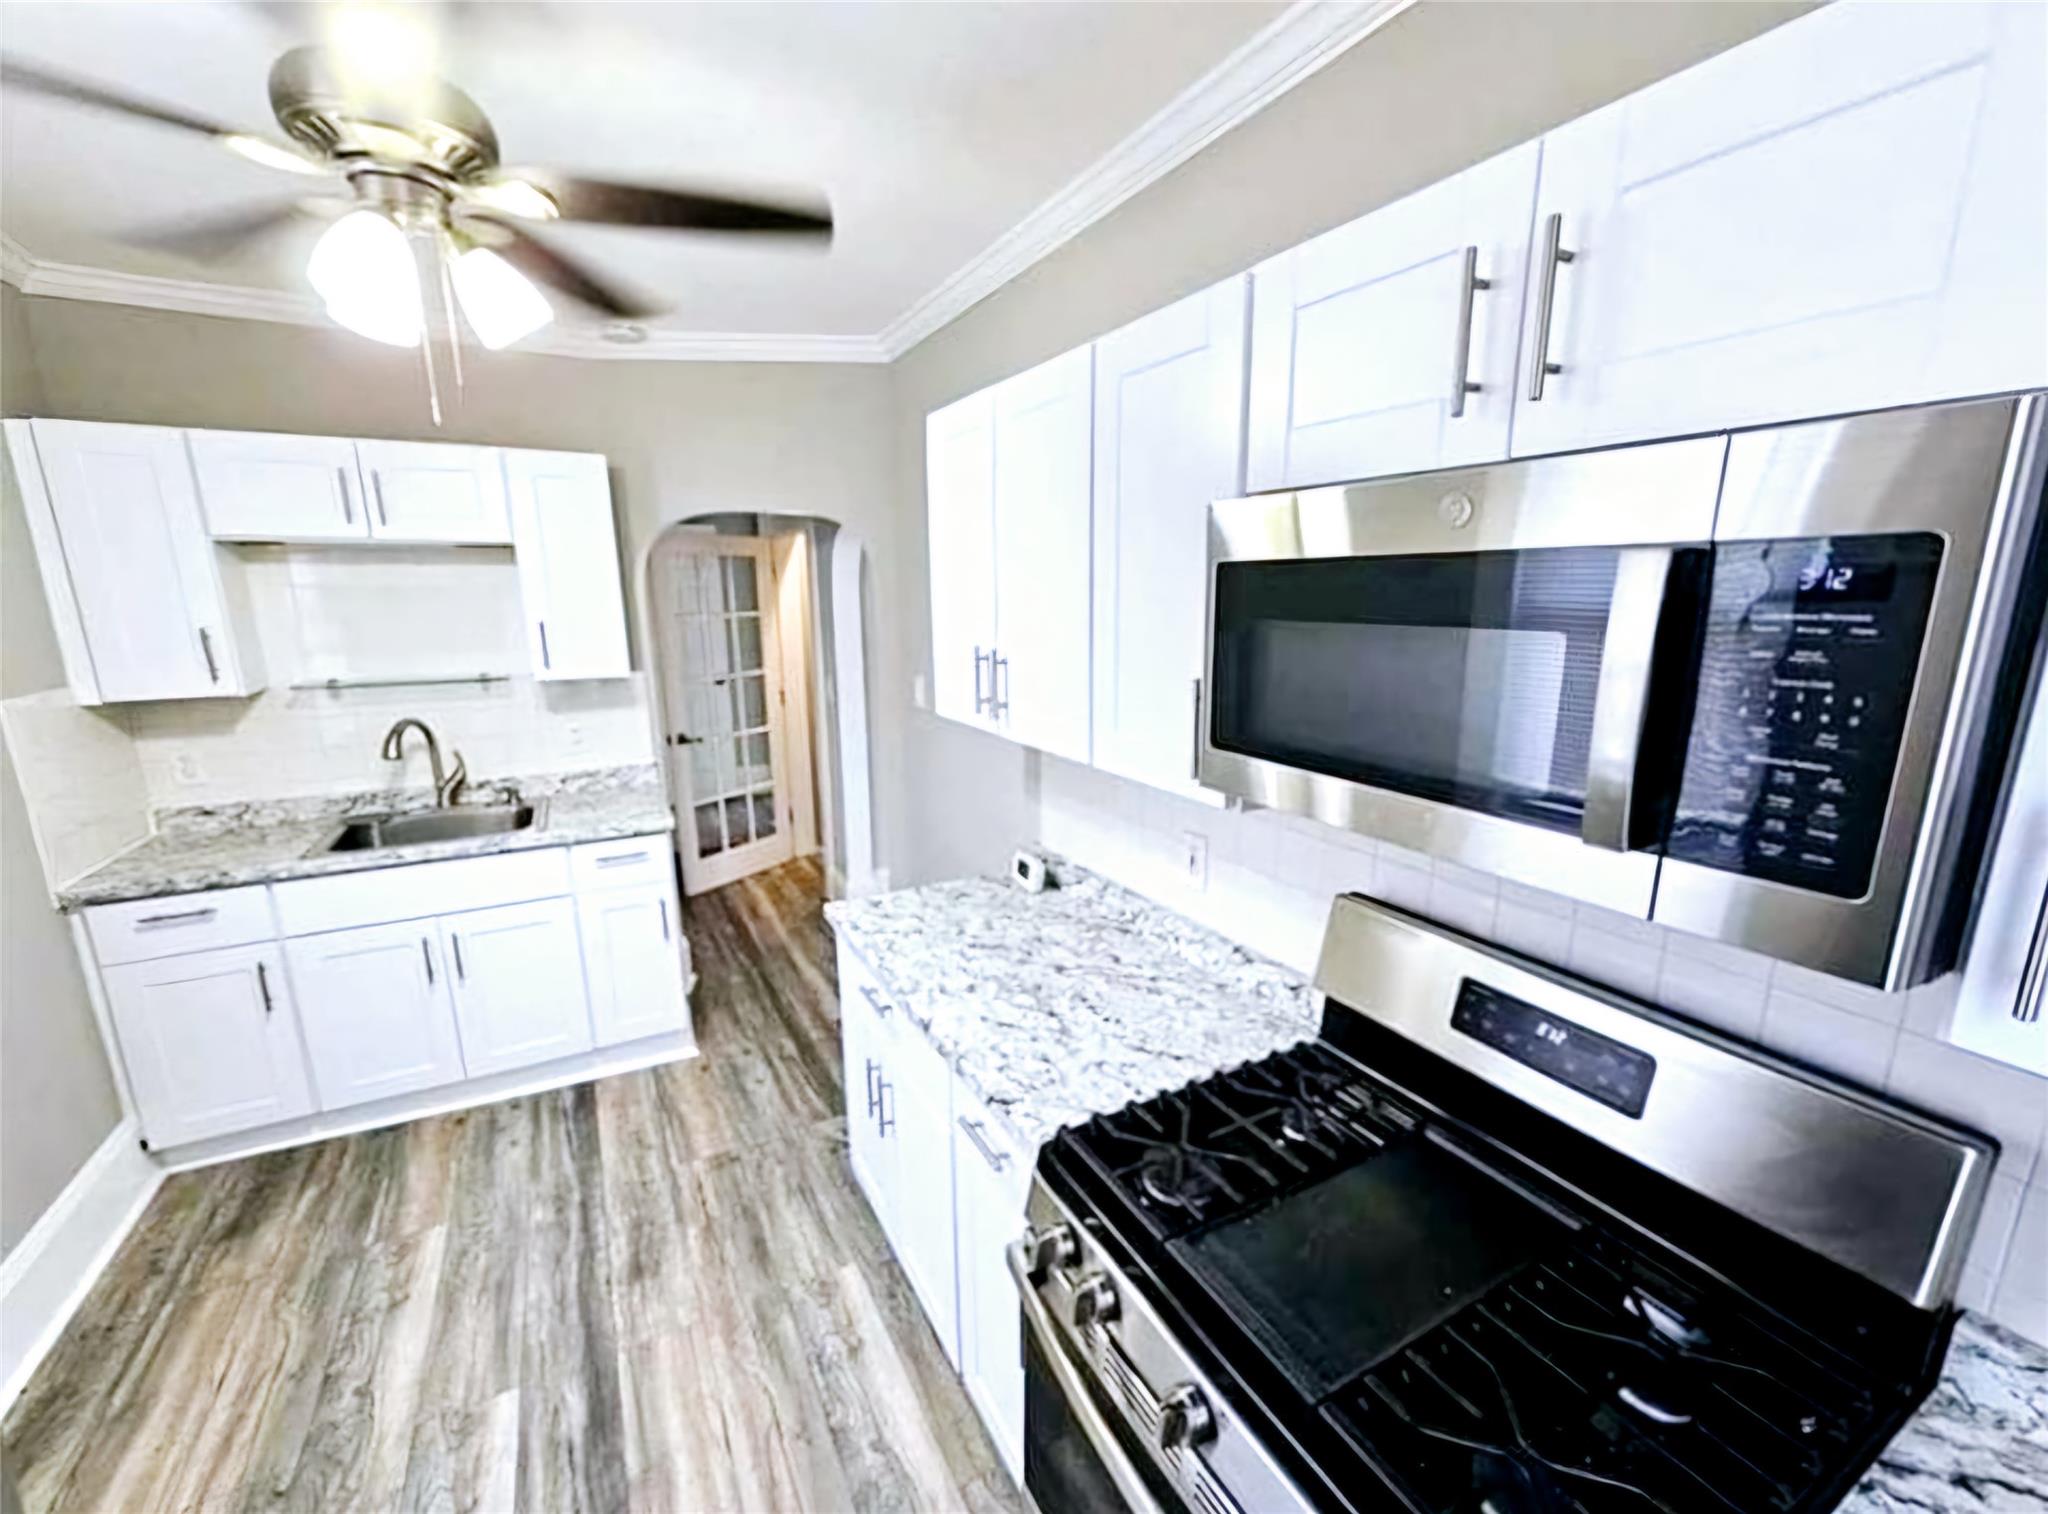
point(446, 786)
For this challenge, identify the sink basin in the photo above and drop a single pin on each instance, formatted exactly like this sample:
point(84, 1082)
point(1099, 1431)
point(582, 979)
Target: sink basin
point(374, 831)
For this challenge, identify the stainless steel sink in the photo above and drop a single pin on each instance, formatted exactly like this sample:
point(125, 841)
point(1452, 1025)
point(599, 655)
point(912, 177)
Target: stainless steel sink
point(373, 831)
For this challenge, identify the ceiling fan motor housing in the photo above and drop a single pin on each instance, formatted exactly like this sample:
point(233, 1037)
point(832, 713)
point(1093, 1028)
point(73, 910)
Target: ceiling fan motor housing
point(424, 124)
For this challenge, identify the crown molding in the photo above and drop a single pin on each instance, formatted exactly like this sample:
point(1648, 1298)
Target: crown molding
point(1303, 39)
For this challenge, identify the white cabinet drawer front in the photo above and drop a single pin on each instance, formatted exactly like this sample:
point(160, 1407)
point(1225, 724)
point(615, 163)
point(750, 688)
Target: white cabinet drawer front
point(210, 1042)
point(139, 929)
point(519, 993)
point(309, 905)
point(634, 962)
point(634, 861)
point(376, 1012)
point(999, 1157)
point(254, 485)
point(859, 986)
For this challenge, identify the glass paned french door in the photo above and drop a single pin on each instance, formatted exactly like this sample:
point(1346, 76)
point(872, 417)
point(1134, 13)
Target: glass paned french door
point(722, 678)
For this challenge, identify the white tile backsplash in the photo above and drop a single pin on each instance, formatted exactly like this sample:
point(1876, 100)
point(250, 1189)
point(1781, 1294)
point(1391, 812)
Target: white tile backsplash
point(81, 782)
point(1270, 883)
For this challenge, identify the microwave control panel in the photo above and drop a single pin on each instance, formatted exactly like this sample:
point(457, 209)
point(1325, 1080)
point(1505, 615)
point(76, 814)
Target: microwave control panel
point(1806, 671)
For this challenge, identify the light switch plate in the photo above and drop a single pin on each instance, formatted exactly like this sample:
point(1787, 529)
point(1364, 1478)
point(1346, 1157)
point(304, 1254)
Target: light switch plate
point(918, 694)
point(1194, 860)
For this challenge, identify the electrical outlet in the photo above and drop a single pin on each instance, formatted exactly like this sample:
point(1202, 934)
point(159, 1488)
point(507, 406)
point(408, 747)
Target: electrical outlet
point(185, 768)
point(573, 734)
point(1194, 860)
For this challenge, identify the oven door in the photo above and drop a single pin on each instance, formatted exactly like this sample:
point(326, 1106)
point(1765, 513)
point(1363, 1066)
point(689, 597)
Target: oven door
point(1490, 666)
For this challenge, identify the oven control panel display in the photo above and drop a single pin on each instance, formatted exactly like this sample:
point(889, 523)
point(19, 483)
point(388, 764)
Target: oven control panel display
point(1595, 1065)
point(1806, 671)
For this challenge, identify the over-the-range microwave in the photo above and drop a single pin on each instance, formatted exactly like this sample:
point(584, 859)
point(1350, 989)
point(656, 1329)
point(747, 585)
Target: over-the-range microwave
point(1757, 686)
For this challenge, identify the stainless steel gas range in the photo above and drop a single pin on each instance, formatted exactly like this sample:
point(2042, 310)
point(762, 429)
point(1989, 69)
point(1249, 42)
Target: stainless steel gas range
point(1496, 1241)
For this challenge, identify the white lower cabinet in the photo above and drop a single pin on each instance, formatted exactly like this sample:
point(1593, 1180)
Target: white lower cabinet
point(991, 1175)
point(862, 1037)
point(518, 985)
point(376, 1012)
point(210, 1041)
point(917, 1117)
point(632, 960)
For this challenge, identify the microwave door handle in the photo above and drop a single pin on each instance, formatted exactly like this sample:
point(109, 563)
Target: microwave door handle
point(1622, 697)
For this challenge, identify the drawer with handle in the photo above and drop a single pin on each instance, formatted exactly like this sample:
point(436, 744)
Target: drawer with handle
point(998, 1156)
point(140, 929)
point(627, 862)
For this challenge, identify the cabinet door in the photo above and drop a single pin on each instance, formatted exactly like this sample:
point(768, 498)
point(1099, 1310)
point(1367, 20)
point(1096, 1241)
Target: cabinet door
point(374, 1004)
point(991, 1174)
point(210, 1041)
point(1169, 423)
point(435, 491)
point(1043, 474)
point(917, 1122)
point(1374, 351)
point(519, 995)
point(633, 962)
point(255, 485)
point(960, 529)
point(135, 561)
point(861, 1042)
point(1842, 214)
point(568, 564)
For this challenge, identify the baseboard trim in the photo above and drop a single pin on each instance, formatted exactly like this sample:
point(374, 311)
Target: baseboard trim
point(49, 1272)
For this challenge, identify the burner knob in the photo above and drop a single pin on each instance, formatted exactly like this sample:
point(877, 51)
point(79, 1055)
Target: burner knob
point(1184, 1419)
point(1054, 1246)
point(1094, 1301)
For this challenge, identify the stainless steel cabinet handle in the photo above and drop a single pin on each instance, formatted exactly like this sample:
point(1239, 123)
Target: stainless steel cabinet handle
point(427, 957)
point(1130, 1482)
point(263, 987)
point(620, 859)
point(181, 917)
point(881, 1006)
point(2034, 976)
point(1621, 694)
point(545, 660)
point(206, 649)
point(883, 1088)
point(998, 692)
point(377, 489)
point(997, 1160)
point(1554, 253)
point(980, 699)
point(456, 942)
point(1469, 283)
point(874, 1100)
point(664, 918)
point(348, 508)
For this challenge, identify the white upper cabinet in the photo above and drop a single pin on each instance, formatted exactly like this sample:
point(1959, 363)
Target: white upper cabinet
point(568, 557)
point(1388, 345)
point(1843, 214)
point(960, 530)
point(435, 492)
point(519, 993)
point(1169, 428)
point(1042, 479)
point(263, 486)
point(210, 1042)
point(145, 606)
point(374, 1006)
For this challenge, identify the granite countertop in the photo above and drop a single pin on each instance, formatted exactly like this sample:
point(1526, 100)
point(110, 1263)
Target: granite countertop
point(1055, 1006)
point(266, 841)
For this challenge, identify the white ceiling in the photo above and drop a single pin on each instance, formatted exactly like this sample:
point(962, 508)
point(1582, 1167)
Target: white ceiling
point(934, 129)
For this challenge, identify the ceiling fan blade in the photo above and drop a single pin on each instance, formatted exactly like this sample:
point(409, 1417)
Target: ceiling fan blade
point(209, 238)
point(42, 81)
point(611, 204)
point(544, 265)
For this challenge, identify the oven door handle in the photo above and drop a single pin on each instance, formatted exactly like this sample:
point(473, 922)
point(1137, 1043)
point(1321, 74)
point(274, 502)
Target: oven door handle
point(1642, 581)
point(1074, 1389)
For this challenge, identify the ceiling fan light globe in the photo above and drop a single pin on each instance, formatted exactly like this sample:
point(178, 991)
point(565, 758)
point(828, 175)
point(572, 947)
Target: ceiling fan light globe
point(500, 303)
point(363, 267)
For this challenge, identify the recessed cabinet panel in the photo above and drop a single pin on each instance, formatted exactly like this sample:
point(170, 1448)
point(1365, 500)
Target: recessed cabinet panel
point(633, 959)
point(261, 486)
point(375, 1007)
point(435, 492)
point(917, 1118)
point(990, 1178)
point(210, 1042)
point(1844, 214)
point(519, 995)
point(568, 558)
point(960, 531)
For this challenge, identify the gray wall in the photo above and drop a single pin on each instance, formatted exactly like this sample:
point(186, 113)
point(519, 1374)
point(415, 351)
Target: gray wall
point(56, 1094)
point(1441, 87)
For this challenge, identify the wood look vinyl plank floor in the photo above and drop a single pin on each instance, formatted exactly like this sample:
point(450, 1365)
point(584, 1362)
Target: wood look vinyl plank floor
point(655, 1292)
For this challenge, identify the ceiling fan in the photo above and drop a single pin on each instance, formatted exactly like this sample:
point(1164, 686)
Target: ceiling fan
point(432, 221)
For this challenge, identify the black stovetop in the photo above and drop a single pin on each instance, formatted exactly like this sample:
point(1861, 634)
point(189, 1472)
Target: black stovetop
point(1410, 1311)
